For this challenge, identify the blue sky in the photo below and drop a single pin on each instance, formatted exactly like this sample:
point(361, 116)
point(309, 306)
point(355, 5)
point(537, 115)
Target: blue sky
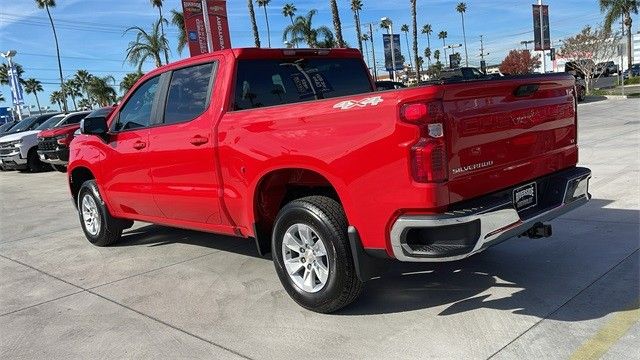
point(91, 31)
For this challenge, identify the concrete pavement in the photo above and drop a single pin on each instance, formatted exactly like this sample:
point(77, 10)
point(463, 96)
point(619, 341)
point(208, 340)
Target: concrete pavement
point(171, 293)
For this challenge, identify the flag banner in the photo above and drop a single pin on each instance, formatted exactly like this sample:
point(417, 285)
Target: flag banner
point(196, 28)
point(386, 39)
point(541, 29)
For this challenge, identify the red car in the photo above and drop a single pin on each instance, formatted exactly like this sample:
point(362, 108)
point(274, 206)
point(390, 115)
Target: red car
point(294, 149)
point(53, 144)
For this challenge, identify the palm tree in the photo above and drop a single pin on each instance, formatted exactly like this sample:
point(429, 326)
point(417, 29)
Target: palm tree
point(365, 38)
point(57, 97)
point(356, 7)
point(147, 45)
point(72, 89)
point(414, 23)
point(436, 55)
point(405, 29)
point(177, 19)
point(101, 91)
point(83, 78)
point(158, 4)
point(462, 8)
point(85, 104)
point(254, 24)
point(4, 73)
point(302, 30)
point(443, 35)
point(129, 80)
point(289, 10)
point(33, 86)
point(427, 30)
point(616, 9)
point(427, 54)
point(337, 26)
point(47, 4)
point(264, 4)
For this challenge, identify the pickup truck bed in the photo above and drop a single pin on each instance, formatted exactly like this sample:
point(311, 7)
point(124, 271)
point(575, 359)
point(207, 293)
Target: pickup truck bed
point(293, 148)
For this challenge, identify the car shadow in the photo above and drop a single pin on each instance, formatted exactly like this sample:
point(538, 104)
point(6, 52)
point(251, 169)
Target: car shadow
point(505, 277)
point(592, 98)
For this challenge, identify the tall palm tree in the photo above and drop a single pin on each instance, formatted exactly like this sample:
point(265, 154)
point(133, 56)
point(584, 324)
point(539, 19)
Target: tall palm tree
point(177, 19)
point(443, 35)
point(129, 80)
point(427, 54)
point(462, 8)
point(405, 29)
point(72, 89)
point(57, 97)
point(356, 7)
point(47, 4)
point(101, 91)
point(82, 78)
point(147, 45)
point(337, 25)
point(427, 30)
point(414, 23)
point(616, 9)
point(4, 73)
point(436, 55)
point(302, 31)
point(33, 86)
point(158, 4)
point(289, 11)
point(264, 4)
point(254, 24)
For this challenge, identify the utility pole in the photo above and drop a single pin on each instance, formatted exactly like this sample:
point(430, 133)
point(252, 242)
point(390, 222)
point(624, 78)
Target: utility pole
point(373, 52)
point(483, 65)
point(544, 59)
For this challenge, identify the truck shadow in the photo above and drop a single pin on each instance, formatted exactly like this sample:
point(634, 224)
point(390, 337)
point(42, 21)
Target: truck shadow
point(528, 277)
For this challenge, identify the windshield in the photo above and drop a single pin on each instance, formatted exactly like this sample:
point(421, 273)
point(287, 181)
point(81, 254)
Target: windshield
point(24, 124)
point(50, 123)
point(7, 126)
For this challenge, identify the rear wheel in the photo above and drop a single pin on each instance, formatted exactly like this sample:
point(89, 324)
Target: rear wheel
point(100, 228)
point(312, 256)
point(60, 168)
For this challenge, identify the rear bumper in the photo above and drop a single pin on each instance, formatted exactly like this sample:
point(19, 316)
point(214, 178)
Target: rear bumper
point(473, 226)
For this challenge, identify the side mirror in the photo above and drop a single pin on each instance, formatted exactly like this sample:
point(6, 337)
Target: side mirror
point(94, 126)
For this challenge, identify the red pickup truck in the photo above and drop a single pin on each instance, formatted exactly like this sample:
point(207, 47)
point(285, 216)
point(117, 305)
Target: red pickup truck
point(294, 149)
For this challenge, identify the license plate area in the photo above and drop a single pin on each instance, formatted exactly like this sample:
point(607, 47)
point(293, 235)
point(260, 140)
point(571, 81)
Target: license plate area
point(525, 197)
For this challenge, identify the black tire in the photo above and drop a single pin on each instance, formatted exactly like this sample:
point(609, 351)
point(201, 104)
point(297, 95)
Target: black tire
point(59, 168)
point(33, 161)
point(326, 217)
point(110, 228)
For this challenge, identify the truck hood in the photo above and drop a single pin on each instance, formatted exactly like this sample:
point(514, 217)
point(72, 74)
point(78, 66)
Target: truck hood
point(69, 129)
point(18, 136)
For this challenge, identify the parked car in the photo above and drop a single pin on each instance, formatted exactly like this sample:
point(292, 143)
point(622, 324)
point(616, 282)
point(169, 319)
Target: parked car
point(634, 71)
point(18, 151)
point(26, 124)
point(606, 68)
point(7, 126)
point(458, 74)
point(53, 144)
point(389, 85)
point(576, 68)
point(294, 149)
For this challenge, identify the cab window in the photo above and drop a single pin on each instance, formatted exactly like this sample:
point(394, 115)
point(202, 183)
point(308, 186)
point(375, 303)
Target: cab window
point(188, 93)
point(136, 113)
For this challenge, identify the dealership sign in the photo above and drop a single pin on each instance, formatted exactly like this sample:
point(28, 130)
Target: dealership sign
point(386, 40)
point(16, 88)
point(206, 33)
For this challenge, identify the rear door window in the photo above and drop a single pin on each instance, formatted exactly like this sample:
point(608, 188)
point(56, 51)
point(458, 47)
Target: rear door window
point(189, 93)
point(261, 83)
point(73, 119)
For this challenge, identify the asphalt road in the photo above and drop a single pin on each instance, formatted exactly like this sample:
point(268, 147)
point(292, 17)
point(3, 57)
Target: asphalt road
point(166, 293)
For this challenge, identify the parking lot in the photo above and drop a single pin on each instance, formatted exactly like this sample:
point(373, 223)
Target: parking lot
point(168, 293)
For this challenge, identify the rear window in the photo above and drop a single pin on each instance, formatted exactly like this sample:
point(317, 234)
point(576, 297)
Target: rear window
point(73, 119)
point(50, 123)
point(261, 83)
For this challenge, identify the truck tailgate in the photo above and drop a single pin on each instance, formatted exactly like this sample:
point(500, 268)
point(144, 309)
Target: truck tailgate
point(506, 132)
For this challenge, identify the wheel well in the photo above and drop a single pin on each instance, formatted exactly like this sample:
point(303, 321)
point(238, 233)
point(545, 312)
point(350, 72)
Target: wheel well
point(278, 188)
point(77, 177)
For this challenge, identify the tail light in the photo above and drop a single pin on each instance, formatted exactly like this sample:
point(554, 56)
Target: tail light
point(429, 162)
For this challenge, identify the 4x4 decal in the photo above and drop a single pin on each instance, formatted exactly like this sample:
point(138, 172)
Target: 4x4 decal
point(350, 104)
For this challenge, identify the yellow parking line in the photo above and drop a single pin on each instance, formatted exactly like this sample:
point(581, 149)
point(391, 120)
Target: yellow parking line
point(608, 335)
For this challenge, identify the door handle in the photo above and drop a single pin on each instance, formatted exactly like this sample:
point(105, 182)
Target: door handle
point(199, 140)
point(139, 145)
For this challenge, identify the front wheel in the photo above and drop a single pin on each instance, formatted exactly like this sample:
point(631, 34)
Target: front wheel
point(100, 228)
point(312, 256)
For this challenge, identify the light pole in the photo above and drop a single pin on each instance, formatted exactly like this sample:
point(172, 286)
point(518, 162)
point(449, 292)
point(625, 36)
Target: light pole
point(525, 43)
point(544, 60)
point(14, 81)
point(386, 20)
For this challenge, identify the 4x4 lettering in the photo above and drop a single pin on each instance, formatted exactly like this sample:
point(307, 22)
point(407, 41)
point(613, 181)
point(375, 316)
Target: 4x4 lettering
point(350, 104)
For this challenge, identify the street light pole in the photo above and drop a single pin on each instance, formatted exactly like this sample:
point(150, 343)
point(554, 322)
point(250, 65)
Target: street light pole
point(393, 51)
point(544, 60)
point(13, 80)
